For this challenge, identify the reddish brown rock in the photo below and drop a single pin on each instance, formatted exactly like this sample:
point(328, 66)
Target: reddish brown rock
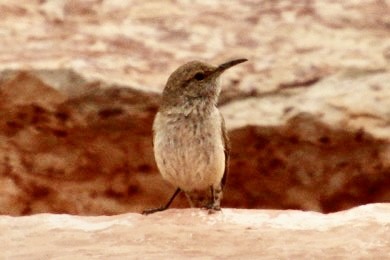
point(308, 114)
point(324, 148)
point(91, 152)
point(85, 155)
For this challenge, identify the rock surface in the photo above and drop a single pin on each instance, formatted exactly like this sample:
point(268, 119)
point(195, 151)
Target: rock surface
point(360, 233)
point(308, 115)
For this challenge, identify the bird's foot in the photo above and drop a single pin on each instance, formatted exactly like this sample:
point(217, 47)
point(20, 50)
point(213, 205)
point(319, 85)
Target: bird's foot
point(212, 208)
point(162, 208)
point(214, 205)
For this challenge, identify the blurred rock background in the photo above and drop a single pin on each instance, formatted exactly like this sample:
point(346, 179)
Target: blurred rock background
point(308, 115)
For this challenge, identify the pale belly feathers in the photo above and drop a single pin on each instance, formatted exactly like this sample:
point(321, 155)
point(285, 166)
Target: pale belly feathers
point(188, 156)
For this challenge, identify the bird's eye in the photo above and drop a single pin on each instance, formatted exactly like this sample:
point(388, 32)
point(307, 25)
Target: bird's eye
point(199, 76)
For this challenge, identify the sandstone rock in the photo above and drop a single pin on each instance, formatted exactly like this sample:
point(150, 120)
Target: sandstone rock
point(88, 151)
point(360, 233)
point(324, 147)
point(139, 43)
point(80, 81)
point(80, 153)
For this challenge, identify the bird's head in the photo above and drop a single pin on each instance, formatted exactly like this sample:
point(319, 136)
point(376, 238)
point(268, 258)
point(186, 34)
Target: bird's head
point(193, 81)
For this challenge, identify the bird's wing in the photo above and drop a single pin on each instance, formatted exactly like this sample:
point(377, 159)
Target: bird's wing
point(153, 128)
point(226, 145)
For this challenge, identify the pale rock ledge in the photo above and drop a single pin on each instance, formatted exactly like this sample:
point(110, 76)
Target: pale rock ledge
point(358, 233)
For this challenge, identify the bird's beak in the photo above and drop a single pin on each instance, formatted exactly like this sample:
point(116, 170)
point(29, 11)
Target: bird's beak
point(224, 66)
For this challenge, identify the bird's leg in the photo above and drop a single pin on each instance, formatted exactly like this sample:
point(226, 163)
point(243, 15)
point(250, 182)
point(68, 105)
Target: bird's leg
point(216, 196)
point(162, 208)
point(189, 199)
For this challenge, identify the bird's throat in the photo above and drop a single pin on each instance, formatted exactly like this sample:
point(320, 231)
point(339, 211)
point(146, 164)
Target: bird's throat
point(192, 107)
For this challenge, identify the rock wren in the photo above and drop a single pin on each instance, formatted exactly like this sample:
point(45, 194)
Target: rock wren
point(190, 142)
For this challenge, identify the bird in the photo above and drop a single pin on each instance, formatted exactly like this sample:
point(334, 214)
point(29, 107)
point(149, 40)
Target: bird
point(190, 142)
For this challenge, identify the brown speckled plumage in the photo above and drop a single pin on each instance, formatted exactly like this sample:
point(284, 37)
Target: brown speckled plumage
point(191, 146)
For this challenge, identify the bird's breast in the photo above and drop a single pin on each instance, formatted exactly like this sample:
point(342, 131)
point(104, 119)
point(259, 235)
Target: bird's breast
point(189, 151)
